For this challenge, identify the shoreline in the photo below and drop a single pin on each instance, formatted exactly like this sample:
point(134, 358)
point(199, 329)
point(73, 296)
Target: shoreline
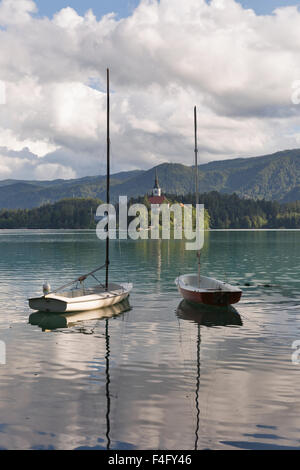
point(206, 230)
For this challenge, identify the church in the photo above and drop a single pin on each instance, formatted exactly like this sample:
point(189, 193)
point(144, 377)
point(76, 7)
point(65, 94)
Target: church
point(157, 197)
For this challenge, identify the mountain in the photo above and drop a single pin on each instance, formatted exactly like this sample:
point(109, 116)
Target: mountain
point(270, 177)
point(17, 194)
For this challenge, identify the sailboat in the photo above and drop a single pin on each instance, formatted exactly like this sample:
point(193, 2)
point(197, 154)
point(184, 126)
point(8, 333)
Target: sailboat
point(199, 289)
point(83, 298)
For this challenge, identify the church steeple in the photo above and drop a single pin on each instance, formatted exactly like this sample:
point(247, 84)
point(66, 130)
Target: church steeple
point(157, 197)
point(156, 185)
point(156, 189)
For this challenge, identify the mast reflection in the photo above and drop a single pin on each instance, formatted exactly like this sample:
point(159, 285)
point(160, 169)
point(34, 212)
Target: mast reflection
point(53, 321)
point(208, 316)
point(107, 386)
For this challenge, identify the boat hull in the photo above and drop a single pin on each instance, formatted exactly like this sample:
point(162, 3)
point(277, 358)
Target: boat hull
point(209, 292)
point(61, 304)
point(211, 298)
point(52, 321)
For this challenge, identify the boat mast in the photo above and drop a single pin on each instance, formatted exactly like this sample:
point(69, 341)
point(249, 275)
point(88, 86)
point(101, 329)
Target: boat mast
point(107, 185)
point(197, 190)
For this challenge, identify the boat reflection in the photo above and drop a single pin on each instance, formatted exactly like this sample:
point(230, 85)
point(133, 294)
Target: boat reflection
point(209, 316)
point(51, 321)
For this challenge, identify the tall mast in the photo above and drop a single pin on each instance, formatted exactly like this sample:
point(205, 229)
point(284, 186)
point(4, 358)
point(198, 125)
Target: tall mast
point(196, 189)
point(196, 154)
point(107, 184)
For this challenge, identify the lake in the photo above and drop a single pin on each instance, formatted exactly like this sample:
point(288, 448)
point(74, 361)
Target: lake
point(160, 374)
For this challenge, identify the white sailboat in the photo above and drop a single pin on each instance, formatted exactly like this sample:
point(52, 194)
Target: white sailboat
point(81, 299)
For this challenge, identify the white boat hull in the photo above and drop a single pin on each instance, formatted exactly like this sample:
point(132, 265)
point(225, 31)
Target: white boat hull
point(81, 300)
point(51, 321)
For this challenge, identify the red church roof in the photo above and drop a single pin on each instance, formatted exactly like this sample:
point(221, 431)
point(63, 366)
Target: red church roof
point(156, 199)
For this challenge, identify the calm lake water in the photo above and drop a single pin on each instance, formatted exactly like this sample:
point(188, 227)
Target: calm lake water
point(159, 375)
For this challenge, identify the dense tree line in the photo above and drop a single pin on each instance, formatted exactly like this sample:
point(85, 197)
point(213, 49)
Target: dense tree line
point(231, 211)
point(169, 200)
point(222, 211)
point(73, 213)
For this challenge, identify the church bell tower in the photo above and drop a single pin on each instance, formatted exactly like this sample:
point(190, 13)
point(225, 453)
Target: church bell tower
point(156, 189)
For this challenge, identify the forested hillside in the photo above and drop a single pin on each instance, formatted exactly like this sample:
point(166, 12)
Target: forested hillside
point(270, 177)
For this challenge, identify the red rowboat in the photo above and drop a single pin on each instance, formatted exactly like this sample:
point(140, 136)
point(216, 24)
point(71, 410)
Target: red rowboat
point(199, 289)
point(208, 291)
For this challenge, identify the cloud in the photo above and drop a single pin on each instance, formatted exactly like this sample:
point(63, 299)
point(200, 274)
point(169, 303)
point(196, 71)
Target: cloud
point(27, 165)
point(16, 13)
point(53, 171)
point(236, 66)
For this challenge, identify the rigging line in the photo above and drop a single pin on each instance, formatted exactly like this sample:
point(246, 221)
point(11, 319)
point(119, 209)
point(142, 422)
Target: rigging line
point(79, 279)
point(99, 282)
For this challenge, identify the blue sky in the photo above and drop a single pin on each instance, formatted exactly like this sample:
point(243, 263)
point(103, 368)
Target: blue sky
point(100, 7)
point(125, 7)
point(266, 6)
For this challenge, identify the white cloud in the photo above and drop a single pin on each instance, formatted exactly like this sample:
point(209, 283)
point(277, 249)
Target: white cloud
point(48, 171)
point(68, 18)
point(9, 140)
point(16, 12)
point(167, 56)
point(26, 165)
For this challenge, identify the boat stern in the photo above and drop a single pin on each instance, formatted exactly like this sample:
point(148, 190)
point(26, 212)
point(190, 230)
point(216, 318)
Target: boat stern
point(47, 304)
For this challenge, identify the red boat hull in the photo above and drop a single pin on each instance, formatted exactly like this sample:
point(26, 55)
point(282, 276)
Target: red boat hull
point(211, 298)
